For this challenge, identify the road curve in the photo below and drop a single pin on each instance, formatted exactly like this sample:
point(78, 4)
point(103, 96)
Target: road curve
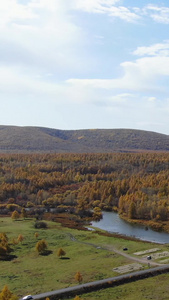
point(137, 259)
point(111, 248)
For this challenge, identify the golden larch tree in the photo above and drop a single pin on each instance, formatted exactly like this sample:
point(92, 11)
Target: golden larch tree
point(78, 277)
point(61, 252)
point(6, 294)
point(41, 246)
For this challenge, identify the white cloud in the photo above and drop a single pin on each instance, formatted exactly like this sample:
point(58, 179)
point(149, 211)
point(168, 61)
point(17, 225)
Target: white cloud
point(123, 13)
point(12, 11)
point(140, 75)
point(43, 34)
point(151, 99)
point(160, 49)
point(120, 98)
point(158, 14)
point(14, 83)
point(148, 67)
point(44, 42)
point(106, 7)
point(94, 6)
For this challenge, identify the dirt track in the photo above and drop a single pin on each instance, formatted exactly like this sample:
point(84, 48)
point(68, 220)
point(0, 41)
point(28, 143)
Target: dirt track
point(137, 259)
point(111, 248)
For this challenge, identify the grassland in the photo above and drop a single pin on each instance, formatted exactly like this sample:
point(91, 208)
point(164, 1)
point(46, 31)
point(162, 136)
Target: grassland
point(156, 288)
point(31, 273)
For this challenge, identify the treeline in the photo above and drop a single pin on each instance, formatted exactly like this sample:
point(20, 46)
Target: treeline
point(135, 185)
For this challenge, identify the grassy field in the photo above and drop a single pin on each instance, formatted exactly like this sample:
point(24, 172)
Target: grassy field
point(156, 288)
point(31, 273)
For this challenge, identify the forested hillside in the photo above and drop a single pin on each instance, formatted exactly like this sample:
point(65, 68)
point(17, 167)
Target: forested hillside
point(135, 185)
point(15, 139)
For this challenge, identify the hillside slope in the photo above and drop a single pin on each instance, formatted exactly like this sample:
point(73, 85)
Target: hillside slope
point(16, 139)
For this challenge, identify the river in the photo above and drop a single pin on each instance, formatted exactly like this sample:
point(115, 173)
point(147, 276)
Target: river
point(112, 223)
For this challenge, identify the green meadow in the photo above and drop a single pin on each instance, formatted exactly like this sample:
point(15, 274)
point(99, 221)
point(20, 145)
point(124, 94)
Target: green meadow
point(156, 288)
point(31, 273)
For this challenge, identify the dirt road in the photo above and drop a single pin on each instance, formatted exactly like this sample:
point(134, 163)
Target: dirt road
point(111, 248)
point(137, 259)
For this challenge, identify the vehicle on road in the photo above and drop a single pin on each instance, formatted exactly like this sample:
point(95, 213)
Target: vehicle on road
point(27, 297)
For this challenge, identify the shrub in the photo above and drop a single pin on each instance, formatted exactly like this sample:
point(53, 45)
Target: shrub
point(40, 224)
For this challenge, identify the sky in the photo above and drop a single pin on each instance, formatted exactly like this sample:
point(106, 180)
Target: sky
point(85, 64)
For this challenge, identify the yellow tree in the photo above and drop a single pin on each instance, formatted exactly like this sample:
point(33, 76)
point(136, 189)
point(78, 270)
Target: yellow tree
point(20, 238)
point(6, 294)
point(3, 237)
point(78, 277)
point(97, 215)
point(36, 234)
point(41, 246)
point(4, 246)
point(61, 252)
point(15, 215)
point(23, 213)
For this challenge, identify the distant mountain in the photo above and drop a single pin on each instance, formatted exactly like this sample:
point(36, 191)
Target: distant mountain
point(15, 139)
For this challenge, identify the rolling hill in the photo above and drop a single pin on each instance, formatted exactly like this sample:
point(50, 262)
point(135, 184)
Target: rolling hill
point(15, 139)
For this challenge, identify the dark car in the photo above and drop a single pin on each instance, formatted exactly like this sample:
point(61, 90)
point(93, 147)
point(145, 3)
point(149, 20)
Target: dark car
point(149, 257)
point(28, 297)
point(125, 249)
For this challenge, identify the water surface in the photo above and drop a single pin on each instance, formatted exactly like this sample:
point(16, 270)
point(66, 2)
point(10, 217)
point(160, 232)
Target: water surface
point(111, 222)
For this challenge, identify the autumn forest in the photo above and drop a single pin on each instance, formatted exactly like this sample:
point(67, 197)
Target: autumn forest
point(82, 185)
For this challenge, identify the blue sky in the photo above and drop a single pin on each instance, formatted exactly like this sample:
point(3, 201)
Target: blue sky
point(79, 64)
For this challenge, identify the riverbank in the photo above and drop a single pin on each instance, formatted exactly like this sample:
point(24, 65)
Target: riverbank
point(115, 224)
point(157, 226)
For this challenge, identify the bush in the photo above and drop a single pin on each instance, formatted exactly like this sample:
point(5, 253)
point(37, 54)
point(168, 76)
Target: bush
point(40, 224)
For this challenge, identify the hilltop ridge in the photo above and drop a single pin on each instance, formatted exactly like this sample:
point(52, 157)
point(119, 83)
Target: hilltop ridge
point(16, 139)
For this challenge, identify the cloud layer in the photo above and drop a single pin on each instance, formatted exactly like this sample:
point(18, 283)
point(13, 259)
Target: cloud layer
point(52, 52)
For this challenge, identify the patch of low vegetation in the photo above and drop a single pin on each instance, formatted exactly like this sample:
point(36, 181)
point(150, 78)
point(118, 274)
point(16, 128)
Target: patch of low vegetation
point(40, 224)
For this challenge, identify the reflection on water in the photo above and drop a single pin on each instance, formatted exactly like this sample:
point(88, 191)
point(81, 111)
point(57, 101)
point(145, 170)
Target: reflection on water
point(111, 222)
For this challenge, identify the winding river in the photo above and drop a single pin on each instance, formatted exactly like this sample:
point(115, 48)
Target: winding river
point(111, 222)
